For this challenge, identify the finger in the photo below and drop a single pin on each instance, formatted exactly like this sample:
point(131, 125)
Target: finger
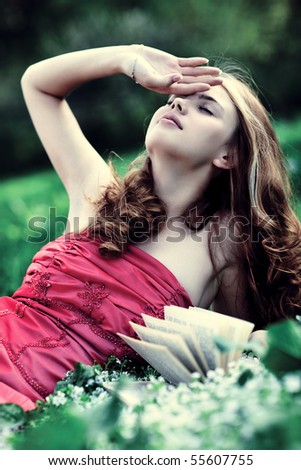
point(161, 81)
point(199, 71)
point(188, 89)
point(203, 79)
point(192, 61)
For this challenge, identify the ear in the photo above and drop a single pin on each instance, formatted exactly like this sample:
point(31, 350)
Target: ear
point(224, 162)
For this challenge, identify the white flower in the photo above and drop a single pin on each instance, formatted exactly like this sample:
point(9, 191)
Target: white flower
point(76, 392)
point(292, 383)
point(58, 399)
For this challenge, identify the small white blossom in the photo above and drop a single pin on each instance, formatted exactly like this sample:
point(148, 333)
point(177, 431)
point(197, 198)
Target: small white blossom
point(59, 399)
point(99, 379)
point(76, 392)
point(292, 383)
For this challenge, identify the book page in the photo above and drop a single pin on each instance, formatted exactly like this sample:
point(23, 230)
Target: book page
point(204, 331)
point(233, 329)
point(242, 327)
point(161, 359)
point(186, 332)
point(173, 341)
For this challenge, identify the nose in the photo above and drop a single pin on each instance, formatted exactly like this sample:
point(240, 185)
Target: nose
point(178, 104)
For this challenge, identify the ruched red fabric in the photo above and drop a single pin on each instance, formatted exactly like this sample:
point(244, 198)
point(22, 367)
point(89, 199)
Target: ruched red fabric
point(70, 307)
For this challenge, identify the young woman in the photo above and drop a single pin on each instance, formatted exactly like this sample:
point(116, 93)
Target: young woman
point(203, 220)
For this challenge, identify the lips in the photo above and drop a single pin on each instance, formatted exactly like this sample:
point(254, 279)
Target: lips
point(173, 118)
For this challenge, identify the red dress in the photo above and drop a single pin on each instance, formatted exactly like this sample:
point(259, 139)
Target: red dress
point(70, 306)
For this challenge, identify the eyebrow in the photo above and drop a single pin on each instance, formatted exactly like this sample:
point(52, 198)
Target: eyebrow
point(209, 98)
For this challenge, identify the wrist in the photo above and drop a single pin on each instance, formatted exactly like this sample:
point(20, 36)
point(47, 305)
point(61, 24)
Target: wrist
point(128, 60)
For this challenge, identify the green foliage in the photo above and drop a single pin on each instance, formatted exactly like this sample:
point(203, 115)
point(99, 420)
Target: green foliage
point(289, 134)
point(65, 430)
point(11, 416)
point(284, 351)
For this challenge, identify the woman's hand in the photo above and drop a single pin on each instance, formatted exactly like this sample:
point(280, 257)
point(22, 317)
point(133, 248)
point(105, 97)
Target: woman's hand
point(259, 336)
point(164, 73)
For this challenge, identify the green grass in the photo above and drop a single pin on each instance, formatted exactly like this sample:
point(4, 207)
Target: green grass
point(21, 200)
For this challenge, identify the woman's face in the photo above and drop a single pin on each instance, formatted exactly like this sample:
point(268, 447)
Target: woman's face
point(194, 128)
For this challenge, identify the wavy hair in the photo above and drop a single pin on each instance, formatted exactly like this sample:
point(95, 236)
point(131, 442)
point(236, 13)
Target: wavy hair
point(256, 190)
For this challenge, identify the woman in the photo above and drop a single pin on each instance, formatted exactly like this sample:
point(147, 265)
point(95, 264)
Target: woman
point(204, 221)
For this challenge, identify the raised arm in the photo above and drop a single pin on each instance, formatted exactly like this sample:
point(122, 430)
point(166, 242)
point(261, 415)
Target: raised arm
point(46, 84)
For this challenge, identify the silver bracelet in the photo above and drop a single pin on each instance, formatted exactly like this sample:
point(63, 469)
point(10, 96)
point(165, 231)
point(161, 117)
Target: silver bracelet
point(135, 62)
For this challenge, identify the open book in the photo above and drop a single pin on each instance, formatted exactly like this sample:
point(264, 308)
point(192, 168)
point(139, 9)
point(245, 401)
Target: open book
point(184, 342)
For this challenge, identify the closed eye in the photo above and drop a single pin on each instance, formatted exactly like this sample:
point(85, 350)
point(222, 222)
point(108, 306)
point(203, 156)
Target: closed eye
point(206, 110)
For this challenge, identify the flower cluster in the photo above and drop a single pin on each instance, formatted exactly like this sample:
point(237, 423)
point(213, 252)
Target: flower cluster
point(248, 407)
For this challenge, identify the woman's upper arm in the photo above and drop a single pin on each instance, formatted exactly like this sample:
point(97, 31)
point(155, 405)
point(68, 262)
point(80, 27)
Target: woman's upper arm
point(77, 163)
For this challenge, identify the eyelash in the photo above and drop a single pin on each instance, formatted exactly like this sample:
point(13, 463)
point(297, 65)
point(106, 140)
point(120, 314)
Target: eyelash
point(201, 108)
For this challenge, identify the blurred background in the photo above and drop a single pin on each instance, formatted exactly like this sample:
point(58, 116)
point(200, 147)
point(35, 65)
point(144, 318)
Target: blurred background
point(114, 112)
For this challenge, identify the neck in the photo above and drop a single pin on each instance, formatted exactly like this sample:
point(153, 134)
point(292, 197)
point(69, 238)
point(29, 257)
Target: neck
point(179, 187)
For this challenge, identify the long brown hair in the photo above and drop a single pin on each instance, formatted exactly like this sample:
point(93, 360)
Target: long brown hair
point(256, 189)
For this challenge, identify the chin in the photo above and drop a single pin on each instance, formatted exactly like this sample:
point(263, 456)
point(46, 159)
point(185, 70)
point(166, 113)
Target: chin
point(158, 145)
